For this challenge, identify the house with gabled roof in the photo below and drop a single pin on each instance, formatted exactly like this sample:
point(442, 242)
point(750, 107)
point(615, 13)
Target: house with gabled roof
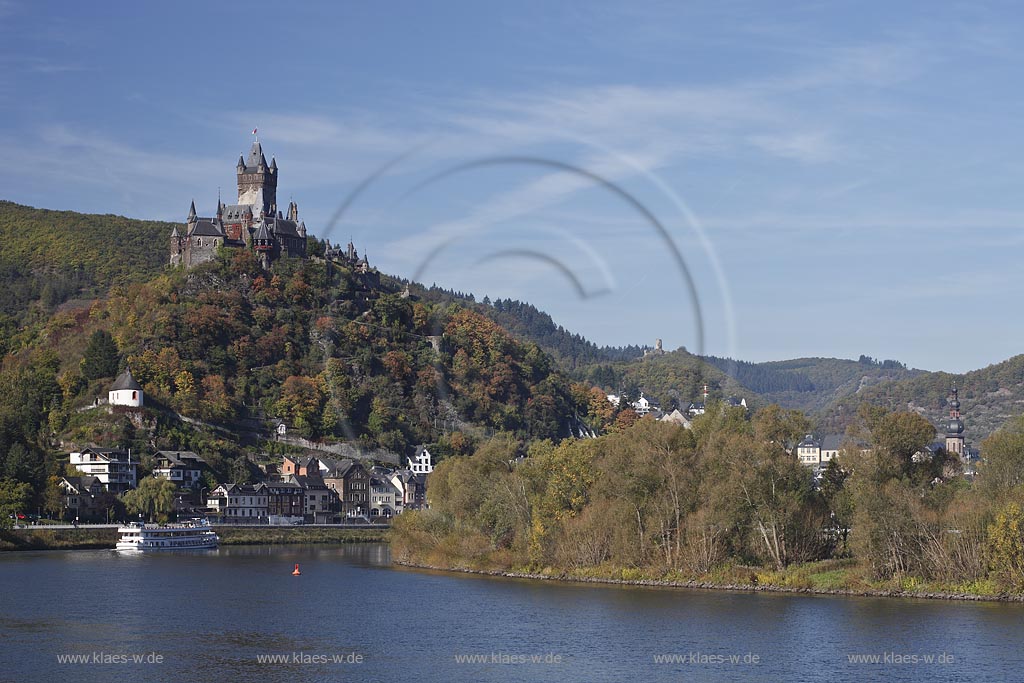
point(183, 468)
point(113, 467)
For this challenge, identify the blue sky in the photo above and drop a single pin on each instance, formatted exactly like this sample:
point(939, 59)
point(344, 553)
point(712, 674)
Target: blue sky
point(838, 178)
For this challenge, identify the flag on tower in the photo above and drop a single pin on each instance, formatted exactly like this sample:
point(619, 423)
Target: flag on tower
point(254, 131)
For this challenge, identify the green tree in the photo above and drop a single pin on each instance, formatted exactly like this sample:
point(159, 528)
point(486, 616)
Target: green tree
point(1006, 547)
point(897, 437)
point(53, 496)
point(1001, 470)
point(153, 498)
point(101, 356)
point(14, 496)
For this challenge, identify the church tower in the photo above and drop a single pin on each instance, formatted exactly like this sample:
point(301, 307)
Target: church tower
point(257, 181)
point(955, 427)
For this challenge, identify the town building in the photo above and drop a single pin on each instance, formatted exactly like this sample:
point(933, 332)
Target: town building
point(808, 451)
point(350, 482)
point(239, 503)
point(254, 222)
point(817, 453)
point(125, 391)
point(422, 462)
point(411, 488)
point(184, 468)
point(81, 496)
point(114, 468)
point(285, 502)
point(385, 498)
point(302, 466)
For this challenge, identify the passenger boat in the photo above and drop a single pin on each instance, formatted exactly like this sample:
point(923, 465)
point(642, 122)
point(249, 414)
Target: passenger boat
point(191, 535)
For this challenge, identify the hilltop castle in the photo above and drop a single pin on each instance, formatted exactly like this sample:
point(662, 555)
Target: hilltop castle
point(253, 223)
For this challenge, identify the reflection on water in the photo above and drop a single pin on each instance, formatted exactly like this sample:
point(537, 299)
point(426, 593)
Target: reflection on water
point(221, 614)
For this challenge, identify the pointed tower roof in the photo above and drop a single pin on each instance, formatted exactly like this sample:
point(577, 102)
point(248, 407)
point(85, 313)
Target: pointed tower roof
point(273, 163)
point(241, 161)
point(174, 232)
point(125, 381)
point(255, 156)
point(192, 211)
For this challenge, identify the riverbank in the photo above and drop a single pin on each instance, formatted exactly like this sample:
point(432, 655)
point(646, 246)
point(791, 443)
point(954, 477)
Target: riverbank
point(570, 577)
point(85, 538)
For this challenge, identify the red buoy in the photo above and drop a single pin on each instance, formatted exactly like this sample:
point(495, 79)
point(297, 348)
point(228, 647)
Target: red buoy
point(296, 571)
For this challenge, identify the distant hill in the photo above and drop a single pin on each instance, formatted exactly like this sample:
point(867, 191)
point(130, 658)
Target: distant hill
point(49, 258)
point(989, 397)
point(52, 256)
point(525, 321)
point(811, 384)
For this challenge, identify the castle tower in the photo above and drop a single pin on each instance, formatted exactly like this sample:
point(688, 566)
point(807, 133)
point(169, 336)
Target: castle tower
point(955, 427)
point(257, 181)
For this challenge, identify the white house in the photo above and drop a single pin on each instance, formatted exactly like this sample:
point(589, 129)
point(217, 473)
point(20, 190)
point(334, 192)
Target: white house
point(114, 468)
point(808, 451)
point(239, 502)
point(422, 462)
point(125, 391)
point(642, 405)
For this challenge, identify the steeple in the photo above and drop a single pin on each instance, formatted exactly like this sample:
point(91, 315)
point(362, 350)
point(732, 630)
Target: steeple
point(256, 157)
point(192, 212)
point(955, 426)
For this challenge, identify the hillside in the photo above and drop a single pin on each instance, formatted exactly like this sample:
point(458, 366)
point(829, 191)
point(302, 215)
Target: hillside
point(343, 360)
point(811, 384)
point(49, 257)
point(526, 322)
point(989, 397)
point(220, 350)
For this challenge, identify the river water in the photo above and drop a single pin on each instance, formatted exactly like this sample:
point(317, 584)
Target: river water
point(237, 614)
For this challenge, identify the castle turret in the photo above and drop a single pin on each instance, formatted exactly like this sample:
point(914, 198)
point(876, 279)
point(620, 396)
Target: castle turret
point(257, 183)
point(191, 213)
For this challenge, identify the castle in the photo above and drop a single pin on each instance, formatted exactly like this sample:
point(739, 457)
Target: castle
point(253, 223)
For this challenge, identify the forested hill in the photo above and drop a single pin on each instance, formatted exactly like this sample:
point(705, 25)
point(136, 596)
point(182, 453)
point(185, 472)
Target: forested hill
point(989, 397)
point(527, 322)
point(48, 257)
point(811, 384)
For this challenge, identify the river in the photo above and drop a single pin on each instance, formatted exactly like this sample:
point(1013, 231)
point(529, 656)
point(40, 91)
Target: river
point(237, 614)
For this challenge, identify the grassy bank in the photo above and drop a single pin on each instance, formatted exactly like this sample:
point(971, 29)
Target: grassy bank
point(829, 577)
point(41, 538)
point(85, 538)
point(298, 534)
